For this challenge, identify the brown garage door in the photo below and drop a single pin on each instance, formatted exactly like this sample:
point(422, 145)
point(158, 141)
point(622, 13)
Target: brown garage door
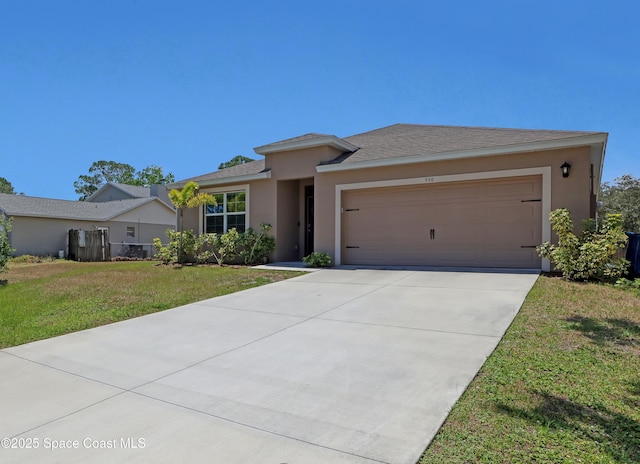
point(489, 223)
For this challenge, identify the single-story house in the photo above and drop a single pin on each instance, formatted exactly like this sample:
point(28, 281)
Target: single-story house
point(112, 191)
point(410, 194)
point(41, 225)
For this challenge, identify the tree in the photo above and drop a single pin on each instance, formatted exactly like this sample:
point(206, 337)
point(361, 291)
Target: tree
point(622, 197)
point(6, 187)
point(102, 172)
point(188, 197)
point(235, 161)
point(5, 244)
point(152, 175)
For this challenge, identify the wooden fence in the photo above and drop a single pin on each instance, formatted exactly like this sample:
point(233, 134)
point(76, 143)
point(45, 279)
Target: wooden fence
point(89, 245)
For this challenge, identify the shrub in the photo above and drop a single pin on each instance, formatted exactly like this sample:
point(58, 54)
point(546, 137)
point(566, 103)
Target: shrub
point(317, 259)
point(5, 245)
point(205, 248)
point(249, 246)
point(227, 245)
point(170, 253)
point(592, 256)
point(627, 284)
point(31, 259)
point(255, 247)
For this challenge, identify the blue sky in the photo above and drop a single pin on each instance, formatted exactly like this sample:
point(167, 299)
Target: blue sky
point(186, 85)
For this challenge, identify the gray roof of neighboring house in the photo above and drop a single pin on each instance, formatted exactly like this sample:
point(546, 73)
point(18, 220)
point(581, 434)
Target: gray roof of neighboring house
point(21, 205)
point(135, 191)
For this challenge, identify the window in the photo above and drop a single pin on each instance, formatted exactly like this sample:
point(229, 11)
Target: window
point(230, 212)
point(131, 231)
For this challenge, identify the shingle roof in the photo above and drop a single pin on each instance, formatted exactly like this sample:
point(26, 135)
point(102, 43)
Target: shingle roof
point(300, 138)
point(407, 140)
point(252, 167)
point(400, 140)
point(134, 191)
point(20, 205)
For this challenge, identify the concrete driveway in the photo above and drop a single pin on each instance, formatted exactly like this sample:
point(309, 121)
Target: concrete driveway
point(336, 366)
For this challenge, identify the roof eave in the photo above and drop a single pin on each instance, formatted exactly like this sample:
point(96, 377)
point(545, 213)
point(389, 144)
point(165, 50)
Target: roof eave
point(582, 140)
point(330, 140)
point(597, 160)
point(224, 180)
point(62, 216)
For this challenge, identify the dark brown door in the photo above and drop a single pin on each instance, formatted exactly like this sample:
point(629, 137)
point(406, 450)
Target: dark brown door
point(308, 219)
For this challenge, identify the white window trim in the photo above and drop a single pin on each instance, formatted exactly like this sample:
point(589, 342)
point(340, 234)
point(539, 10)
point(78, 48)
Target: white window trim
point(228, 188)
point(544, 171)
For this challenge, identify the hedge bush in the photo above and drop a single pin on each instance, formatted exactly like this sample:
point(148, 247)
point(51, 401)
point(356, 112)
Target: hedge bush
point(591, 256)
point(249, 247)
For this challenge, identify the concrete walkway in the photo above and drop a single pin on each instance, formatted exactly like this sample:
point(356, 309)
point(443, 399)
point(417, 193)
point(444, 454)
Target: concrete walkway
point(336, 366)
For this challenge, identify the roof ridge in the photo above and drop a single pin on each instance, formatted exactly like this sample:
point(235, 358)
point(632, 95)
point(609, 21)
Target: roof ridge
point(445, 126)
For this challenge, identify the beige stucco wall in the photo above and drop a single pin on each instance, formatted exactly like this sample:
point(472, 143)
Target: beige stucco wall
point(297, 164)
point(288, 221)
point(280, 199)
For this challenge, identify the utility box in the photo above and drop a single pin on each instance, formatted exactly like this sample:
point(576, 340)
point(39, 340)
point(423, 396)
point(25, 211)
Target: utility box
point(633, 252)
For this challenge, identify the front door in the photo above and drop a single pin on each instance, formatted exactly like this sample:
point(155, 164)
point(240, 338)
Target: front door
point(308, 220)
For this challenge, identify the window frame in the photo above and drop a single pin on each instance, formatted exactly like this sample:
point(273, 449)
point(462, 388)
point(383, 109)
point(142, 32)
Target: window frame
point(225, 190)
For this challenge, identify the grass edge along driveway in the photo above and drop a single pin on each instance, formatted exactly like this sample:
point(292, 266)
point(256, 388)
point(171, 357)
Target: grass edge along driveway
point(563, 385)
point(45, 300)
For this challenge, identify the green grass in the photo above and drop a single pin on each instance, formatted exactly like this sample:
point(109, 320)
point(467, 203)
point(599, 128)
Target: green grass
point(563, 386)
point(39, 301)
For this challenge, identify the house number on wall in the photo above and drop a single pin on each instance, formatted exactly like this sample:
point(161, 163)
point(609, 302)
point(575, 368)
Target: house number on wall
point(429, 180)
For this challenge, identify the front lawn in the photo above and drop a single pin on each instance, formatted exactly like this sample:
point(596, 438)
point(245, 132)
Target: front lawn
point(563, 386)
point(39, 301)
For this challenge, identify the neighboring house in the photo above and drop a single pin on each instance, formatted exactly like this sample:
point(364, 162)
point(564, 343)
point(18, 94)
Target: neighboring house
point(410, 194)
point(112, 191)
point(41, 225)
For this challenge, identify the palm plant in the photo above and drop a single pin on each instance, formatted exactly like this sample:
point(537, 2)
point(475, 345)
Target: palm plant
point(188, 197)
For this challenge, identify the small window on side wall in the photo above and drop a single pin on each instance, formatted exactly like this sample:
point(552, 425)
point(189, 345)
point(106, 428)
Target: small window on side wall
point(131, 231)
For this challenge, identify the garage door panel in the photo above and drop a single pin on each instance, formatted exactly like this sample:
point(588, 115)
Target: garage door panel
point(480, 223)
point(376, 257)
point(511, 212)
point(375, 225)
point(452, 213)
point(453, 235)
point(444, 194)
point(502, 258)
point(394, 197)
point(527, 188)
point(458, 258)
